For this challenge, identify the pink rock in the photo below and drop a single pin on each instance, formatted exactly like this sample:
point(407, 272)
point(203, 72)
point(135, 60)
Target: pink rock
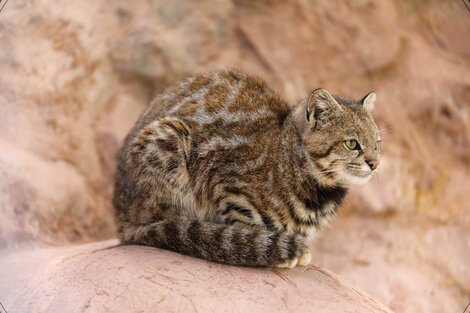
point(104, 277)
point(74, 76)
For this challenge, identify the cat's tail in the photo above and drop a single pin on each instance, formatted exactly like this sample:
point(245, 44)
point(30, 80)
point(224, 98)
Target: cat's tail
point(228, 244)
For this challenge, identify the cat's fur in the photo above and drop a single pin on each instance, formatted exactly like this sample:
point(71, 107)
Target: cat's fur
point(219, 167)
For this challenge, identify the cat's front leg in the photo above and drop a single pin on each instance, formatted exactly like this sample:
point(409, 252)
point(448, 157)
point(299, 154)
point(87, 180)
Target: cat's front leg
point(303, 259)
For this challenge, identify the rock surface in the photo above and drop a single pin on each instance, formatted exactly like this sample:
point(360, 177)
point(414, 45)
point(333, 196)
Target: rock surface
point(75, 75)
point(103, 277)
point(411, 268)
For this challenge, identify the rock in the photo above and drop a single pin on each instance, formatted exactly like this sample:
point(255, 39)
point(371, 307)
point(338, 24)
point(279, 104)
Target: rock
point(409, 267)
point(75, 75)
point(46, 200)
point(103, 277)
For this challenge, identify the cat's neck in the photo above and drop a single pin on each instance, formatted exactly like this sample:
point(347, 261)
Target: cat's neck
point(302, 167)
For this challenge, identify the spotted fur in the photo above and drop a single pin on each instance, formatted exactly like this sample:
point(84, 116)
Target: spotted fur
point(219, 167)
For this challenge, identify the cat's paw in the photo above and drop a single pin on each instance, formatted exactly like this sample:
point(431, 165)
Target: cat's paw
point(303, 259)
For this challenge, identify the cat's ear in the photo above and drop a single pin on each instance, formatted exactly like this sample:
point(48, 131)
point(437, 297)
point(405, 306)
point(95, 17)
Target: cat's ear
point(368, 102)
point(320, 104)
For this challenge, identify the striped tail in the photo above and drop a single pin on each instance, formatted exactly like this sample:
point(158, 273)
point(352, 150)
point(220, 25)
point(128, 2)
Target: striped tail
point(228, 244)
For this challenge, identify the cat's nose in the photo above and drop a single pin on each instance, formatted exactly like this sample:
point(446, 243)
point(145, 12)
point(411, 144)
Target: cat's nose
point(373, 164)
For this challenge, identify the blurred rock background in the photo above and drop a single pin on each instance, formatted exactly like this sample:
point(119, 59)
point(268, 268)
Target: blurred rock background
point(75, 75)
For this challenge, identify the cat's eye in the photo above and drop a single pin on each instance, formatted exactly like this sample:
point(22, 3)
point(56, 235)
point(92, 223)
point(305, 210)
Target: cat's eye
point(352, 144)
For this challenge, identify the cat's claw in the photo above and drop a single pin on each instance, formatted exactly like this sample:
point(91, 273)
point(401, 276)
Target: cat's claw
point(303, 260)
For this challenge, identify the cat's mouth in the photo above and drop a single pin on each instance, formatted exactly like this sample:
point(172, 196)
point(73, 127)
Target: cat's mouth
point(356, 174)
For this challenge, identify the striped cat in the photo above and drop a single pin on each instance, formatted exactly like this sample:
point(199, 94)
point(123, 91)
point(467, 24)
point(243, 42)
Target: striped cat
point(219, 167)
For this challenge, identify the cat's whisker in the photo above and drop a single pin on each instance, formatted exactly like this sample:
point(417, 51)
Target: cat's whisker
point(384, 131)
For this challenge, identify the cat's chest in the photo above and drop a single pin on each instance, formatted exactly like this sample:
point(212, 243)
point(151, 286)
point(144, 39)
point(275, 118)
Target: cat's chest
point(315, 211)
point(325, 201)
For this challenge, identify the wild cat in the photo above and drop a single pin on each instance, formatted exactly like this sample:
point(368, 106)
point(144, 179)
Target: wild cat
point(221, 168)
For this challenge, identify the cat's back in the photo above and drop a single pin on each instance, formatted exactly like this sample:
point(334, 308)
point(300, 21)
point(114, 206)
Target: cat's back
point(222, 100)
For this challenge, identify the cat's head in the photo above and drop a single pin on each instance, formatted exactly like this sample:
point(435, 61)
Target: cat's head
point(341, 137)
